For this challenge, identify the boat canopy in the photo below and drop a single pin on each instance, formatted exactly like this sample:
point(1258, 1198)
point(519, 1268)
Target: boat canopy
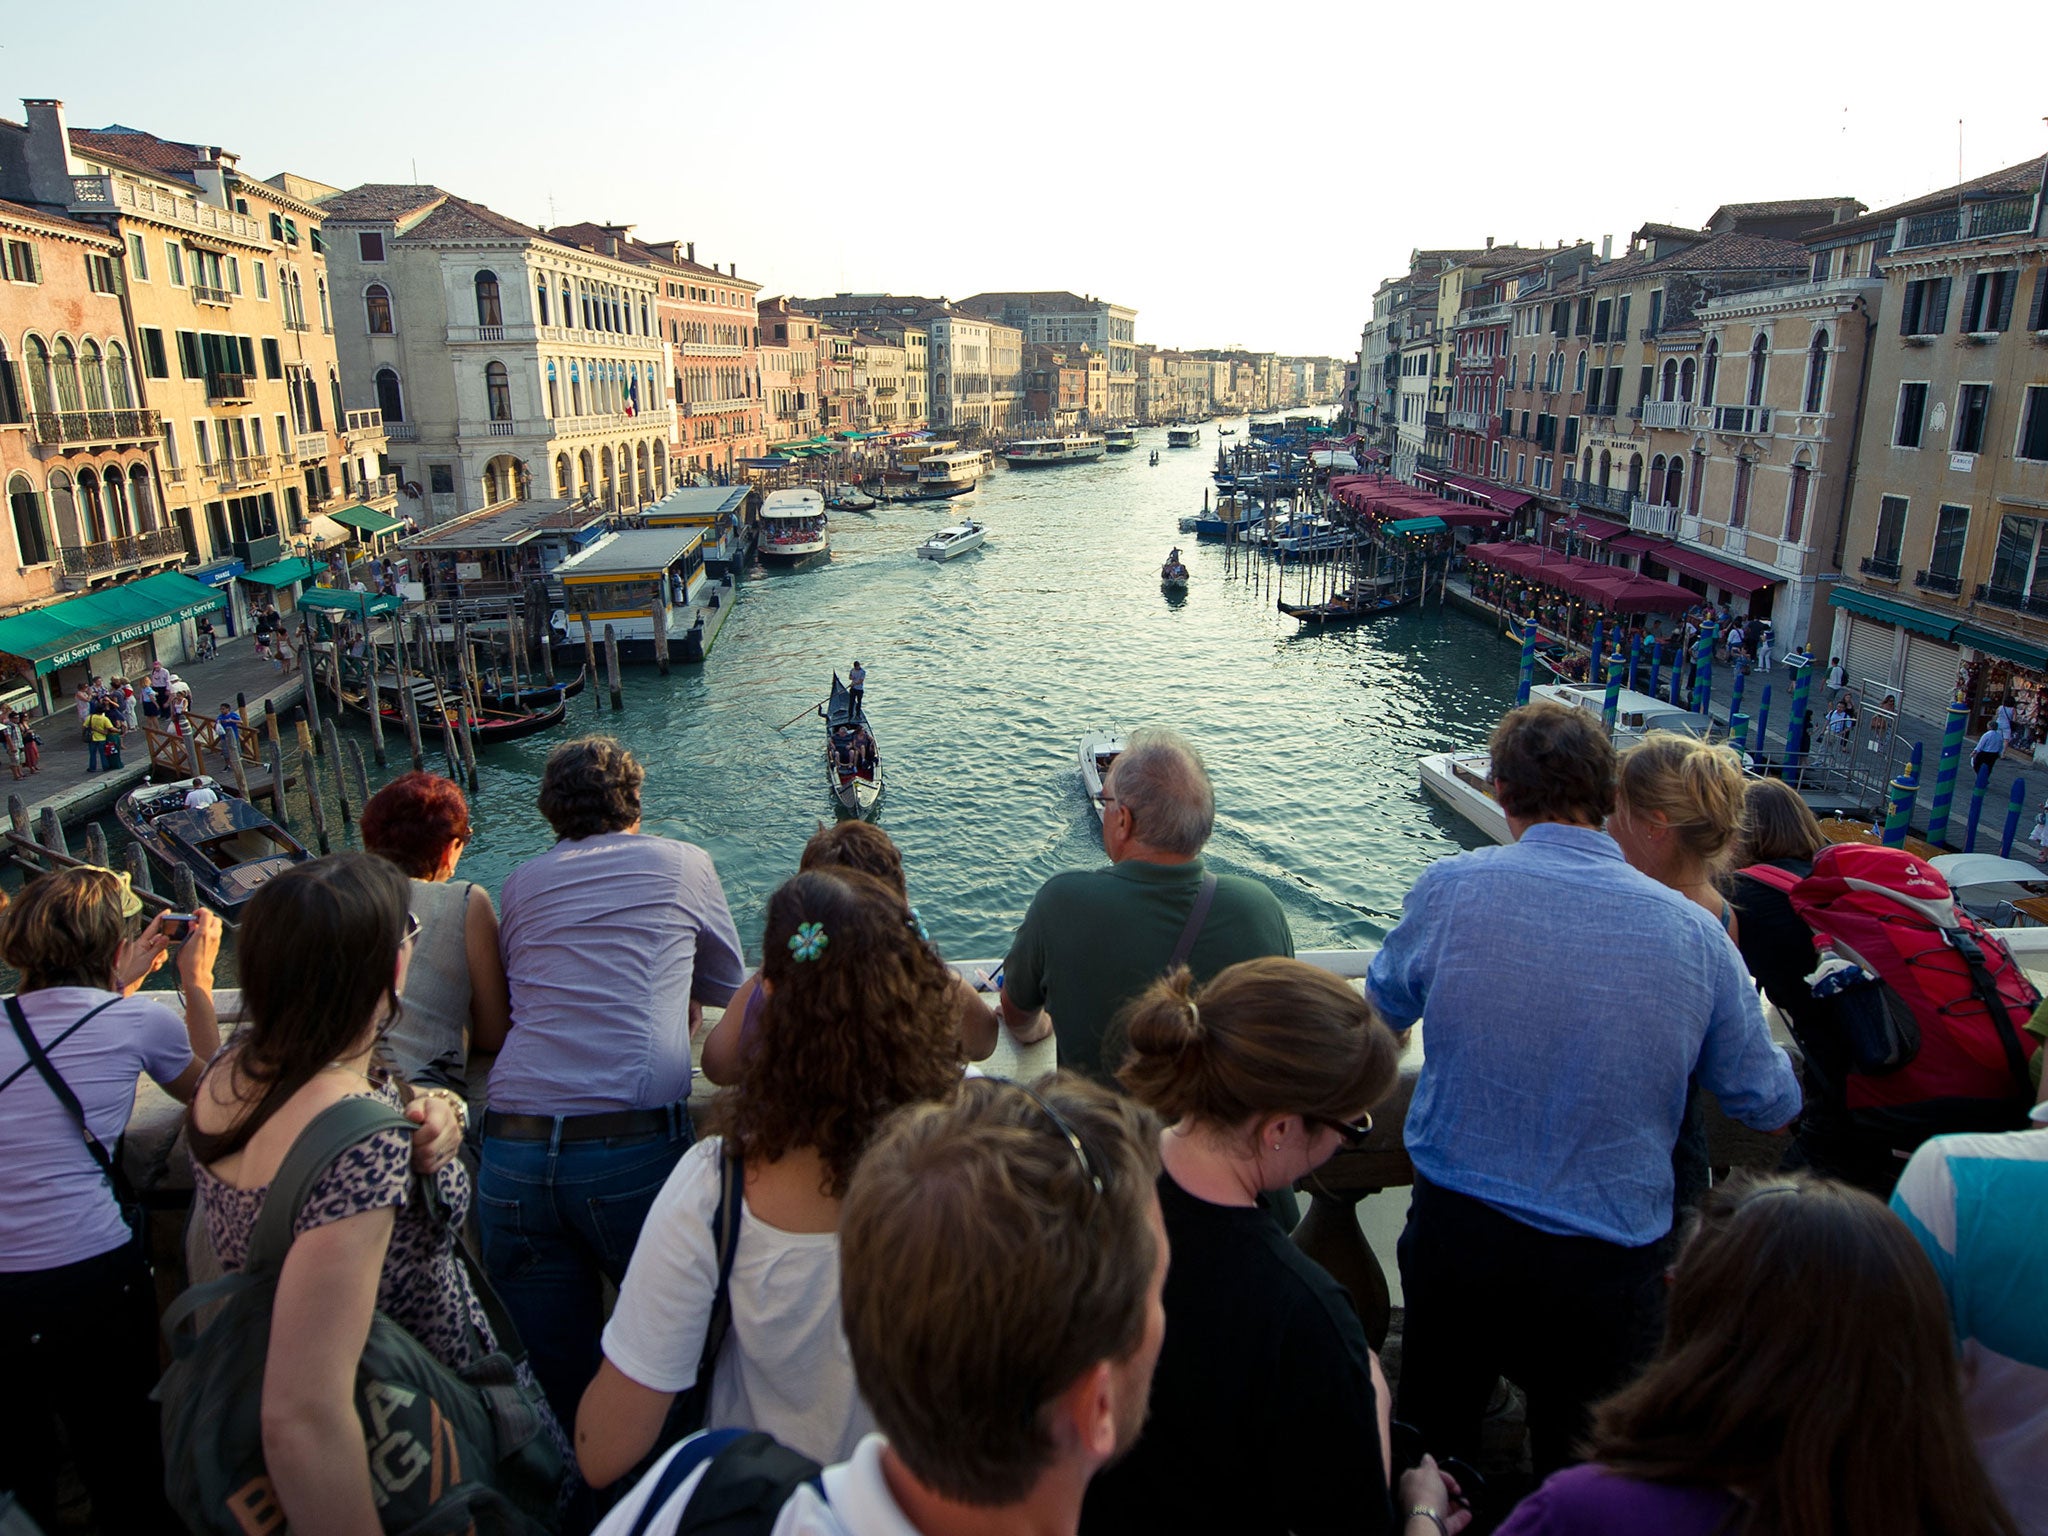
point(636, 553)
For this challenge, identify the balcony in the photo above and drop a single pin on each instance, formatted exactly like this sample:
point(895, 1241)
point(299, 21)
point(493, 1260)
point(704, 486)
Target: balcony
point(244, 471)
point(1432, 418)
point(308, 447)
point(1598, 498)
point(1880, 570)
point(713, 407)
point(709, 349)
point(382, 488)
point(82, 562)
point(1471, 421)
point(1738, 419)
point(1595, 408)
point(401, 432)
point(1667, 413)
point(1646, 517)
point(2008, 597)
point(1935, 581)
point(614, 340)
point(362, 423)
point(206, 293)
point(296, 323)
point(104, 194)
point(491, 333)
point(92, 429)
point(230, 388)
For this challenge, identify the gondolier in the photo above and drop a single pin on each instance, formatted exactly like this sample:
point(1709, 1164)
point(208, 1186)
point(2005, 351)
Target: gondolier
point(853, 761)
point(856, 686)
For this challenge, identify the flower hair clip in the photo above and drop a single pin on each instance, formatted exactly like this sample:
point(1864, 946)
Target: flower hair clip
point(809, 941)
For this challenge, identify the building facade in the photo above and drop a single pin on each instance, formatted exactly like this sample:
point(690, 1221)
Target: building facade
point(789, 371)
point(1058, 317)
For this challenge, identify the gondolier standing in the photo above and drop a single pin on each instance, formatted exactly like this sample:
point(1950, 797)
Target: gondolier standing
point(856, 686)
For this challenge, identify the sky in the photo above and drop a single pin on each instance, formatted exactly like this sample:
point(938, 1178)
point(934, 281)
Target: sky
point(1240, 174)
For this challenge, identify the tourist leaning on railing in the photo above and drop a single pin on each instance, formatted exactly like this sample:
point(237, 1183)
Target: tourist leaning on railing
point(612, 940)
point(1262, 1076)
point(1807, 1383)
point(77, 1306)
point(858, 1020)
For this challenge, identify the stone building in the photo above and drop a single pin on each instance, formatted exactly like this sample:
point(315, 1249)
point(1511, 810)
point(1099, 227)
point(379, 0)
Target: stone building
point(1057, 317)
point(789, 371)
point(509, 364)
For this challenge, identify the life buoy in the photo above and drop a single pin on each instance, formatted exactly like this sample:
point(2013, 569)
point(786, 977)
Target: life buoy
point(414, 489)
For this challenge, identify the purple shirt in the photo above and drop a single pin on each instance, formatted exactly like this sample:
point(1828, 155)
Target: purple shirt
point(1592, 1501)
point(56, 1207)
point(606, 940)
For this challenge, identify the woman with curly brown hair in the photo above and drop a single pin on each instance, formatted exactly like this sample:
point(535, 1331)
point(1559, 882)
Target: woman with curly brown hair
point(859, 1021)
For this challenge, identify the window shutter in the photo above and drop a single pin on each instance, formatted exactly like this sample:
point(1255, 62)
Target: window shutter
point(2040, 322)
point(2007, 282)
point(1937, 317)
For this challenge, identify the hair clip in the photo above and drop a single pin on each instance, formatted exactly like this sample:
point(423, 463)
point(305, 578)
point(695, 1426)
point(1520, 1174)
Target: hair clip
point(917, 926)
point(809, 941)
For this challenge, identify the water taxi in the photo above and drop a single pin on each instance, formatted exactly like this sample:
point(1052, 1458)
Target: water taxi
point(228, 847)
point(793, 527)
point(1098, 753)
point(948, 543)
point(1033, 452)
point(1120, 440)
point(1184, 437)
point(942, 476)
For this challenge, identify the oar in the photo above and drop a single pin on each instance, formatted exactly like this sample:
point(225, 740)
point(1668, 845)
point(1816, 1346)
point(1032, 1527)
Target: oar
point(812, 710)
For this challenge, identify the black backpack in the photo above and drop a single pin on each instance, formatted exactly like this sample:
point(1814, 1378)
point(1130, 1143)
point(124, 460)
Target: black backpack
point(749, 1478)
point(450, 1452)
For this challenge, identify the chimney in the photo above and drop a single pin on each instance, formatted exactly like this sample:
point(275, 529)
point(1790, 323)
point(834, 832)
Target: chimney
point(1607, 247)
point(690, 251)
point(732, 269)
point(47, 154)
point(1489, 242)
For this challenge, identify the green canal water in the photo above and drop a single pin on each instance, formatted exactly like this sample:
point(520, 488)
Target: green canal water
point(985, 672)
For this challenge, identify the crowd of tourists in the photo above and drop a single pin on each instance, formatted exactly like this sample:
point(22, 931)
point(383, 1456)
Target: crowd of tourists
point(483, 1263)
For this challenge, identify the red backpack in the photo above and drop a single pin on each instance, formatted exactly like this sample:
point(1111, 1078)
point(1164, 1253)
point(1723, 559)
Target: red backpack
point(1931, 1004)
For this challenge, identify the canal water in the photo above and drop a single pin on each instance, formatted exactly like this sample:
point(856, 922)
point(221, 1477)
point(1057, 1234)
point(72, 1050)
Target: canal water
point(984, 673)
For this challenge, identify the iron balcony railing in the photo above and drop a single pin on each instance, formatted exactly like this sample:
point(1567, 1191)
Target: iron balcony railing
point(116, 554)
point(1883, 570)
point(66, 429)
point(1739, 418)
point(229, 386)
point(1936, 581)
point(2035, 606)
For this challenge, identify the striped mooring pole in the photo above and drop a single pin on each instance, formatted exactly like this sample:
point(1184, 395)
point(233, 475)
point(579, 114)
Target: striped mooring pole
point(1528, 677)
point(1901, 813)
point(1945, 773)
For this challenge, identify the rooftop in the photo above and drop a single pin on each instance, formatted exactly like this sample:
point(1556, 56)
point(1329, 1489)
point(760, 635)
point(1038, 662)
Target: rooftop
point(697, 503)
point(635, 552)
point(380, 201)
point(598, 238)
point(17, 213)
point(145, 152)
point(508, 526)
point(2022, 178)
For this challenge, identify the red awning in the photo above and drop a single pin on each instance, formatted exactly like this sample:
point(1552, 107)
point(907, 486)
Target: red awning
point(1510, 501)
point(1734, 577)
point(1598, 529)
point(1634, 544)
point(1460, 515)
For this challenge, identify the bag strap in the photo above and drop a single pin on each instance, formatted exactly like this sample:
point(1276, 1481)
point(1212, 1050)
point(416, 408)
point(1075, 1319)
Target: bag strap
point(1780, 880)
point(689, 1455)
point(725, 1237)
point(47, 1070)
point(327, 1135)
point(1986, 986)
point(1204, 897)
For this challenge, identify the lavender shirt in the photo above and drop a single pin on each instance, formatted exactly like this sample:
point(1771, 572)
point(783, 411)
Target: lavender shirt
point(606, 940)
point(56, 1207)
point(1592, 1501)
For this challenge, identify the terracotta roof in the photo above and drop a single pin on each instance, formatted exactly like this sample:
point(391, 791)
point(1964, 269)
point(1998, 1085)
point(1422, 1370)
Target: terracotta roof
point(1670, 232)
point(1784, 208)
point(459, 219)
point(2024, 177)
point(56, 221)
point(1733, 253)
point(381, 200)
point(142, 151)
point(595, 238)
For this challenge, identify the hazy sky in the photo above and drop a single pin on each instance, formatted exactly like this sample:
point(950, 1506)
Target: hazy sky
point(1240, 173)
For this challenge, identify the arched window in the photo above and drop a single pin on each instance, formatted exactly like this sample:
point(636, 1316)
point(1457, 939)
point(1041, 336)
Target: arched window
point(1711, 372)
point(297, 305)
point(562, 486)
point(1635, 475)
point(1579, 383)
point(64, 510)
point(1670, 379)
point(1586, 469)
point(64, 368)
point(554, 391)
point(334, 395)
point(583, 302)
point(1685, 379)
point(1816, 370)
point(95, 509)
point(576, 402)
point(568, 310)
point(488, 310)
point(31, 538)
point(1759, 356)
point(1795, 505)
point(1674, 481)
point(498, 386)
point(1698, 477)
point(118, 525)
point(540, 301)
point(94, 373)
point(326, 314)
point(1606, 468)
point(117, 377)
point(1657, 481)
point(142, 497)
point(390, 399)
point(377, 309)
point(39, 387)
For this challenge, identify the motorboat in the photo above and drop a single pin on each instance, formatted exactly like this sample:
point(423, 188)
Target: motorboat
point(230, 848)
point(1120, 440)
point(1463, 783)
point(857, 791)
point(849, 498)
point(950, 542)
point(1184, 437)
point(1037, 452)
point(1233, 518)
point(1098, 753)
point(793, 527)
point(942, 476)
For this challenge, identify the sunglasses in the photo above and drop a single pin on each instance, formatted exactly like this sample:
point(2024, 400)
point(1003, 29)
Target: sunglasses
point(1073, 1137)
point(412, 931)
point(1353, 1133)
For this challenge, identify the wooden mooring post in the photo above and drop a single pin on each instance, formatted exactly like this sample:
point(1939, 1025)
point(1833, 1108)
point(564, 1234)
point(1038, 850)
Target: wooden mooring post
point(137, 864)
point(280, 811)
point(358, 777)
point(611, 666)
point(96, 845)
point(660, 615)
point(409, 706)
point(331, 740)
point(309, 774)
point(50, 832)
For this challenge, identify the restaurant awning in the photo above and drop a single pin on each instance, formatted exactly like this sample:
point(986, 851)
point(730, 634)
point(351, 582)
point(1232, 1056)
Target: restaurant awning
point(367, 520)
point(334, 600)
point(1634, 544)
point(1598, 529)
point(280, 573)
point(79, 627)
point(1510, 501)
point(1734, 577)
point(1417, 525)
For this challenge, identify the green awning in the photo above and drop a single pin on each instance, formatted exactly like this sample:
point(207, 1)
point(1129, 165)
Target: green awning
point(2006, 647)
point(367, 520)
point(79, 627)
point(334, 600)
point(1418, 525)
point(1889, 610)
point(280, 573)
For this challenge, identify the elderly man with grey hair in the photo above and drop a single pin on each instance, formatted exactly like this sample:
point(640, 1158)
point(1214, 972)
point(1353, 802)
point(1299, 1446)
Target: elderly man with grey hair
point(1094, 939)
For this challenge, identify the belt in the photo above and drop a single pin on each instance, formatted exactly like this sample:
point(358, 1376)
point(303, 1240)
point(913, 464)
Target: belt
point(594, 1127)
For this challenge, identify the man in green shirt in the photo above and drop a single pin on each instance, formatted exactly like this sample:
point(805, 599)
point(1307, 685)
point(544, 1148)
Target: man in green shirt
point(1094, 939)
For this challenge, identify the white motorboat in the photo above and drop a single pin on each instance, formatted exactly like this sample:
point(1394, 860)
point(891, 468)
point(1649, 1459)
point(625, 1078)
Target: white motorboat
point(950, 542)
point(941, 476)
point(1463, 782)
point(1098, 752)
point(1033, 452)
point(793, 527)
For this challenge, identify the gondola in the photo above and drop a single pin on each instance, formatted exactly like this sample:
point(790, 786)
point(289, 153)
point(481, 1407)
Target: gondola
point(486, 729)
point(857, 793)
point(230, 848)
point(516, 701)
point(1347, 610)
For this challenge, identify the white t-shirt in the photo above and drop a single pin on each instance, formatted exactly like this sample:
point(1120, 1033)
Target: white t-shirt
point(199, 797)
point(857, 1502)
point(785, 1367)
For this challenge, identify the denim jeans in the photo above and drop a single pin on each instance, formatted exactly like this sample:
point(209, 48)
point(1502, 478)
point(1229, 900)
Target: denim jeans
point(557, 1219)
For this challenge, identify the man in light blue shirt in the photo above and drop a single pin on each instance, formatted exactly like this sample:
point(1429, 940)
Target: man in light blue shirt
point(1569, 999)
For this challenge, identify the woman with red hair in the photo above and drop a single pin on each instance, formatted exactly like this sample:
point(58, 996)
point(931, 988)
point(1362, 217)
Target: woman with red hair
point(455, 996)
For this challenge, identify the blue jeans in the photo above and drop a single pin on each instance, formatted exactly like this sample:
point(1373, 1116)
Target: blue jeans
point(557, 1219)
point(95, 756)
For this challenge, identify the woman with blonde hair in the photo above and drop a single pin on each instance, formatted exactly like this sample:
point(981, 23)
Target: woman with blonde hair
point(1261, 1077)
point(1677, 814)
